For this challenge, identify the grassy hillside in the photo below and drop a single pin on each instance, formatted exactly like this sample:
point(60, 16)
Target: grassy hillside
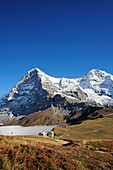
point(97, 129)
point(91, 145)
point(49, 117)
point(32, 153)
point(89, 113)
point(45, 117)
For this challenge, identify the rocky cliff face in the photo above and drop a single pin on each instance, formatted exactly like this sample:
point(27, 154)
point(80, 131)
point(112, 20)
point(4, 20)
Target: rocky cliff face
point(38, 91)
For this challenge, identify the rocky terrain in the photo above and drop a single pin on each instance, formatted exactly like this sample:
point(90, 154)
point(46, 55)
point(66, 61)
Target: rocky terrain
point(37, 91)
point(50, 116)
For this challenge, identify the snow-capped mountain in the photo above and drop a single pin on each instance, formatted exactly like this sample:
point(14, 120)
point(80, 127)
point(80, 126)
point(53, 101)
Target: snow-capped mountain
point(37, 91)
point(98, 87)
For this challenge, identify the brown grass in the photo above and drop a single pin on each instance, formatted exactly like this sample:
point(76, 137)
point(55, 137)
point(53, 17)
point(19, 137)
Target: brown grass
point(98, 129)
point(45, 117)
point(58, 131)
point(25, 152)
point(33, 140)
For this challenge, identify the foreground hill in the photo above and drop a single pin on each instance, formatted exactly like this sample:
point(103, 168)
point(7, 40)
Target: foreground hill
point(29, 152)
point(37, 91)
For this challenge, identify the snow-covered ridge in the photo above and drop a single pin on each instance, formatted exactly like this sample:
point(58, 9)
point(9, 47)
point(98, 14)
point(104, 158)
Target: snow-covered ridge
point(37, 89)
point(96, 81)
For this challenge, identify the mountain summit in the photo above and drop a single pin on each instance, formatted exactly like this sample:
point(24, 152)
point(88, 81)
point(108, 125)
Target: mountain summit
point(37, 91)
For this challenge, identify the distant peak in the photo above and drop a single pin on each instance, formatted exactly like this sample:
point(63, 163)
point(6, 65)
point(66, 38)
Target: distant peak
point(97, 74)
point(97, 71)
point(34, 69)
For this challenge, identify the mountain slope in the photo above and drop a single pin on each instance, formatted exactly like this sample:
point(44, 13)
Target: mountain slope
point(98, 85)
point(45, 117)
point(37, 91)
point(49, 117)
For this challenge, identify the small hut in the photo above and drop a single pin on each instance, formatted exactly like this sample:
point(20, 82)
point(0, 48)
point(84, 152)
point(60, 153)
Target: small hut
point(40, 134)
point(43, 134)
point(50, 134)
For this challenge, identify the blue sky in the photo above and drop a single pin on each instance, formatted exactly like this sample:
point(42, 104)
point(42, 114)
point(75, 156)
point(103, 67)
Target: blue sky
point(64, 38)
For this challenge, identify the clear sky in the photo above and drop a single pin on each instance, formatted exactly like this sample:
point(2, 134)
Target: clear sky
point(63, 38)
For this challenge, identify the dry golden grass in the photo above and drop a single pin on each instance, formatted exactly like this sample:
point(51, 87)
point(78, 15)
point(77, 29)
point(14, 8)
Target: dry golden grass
point(33, 140)
point(59, 131)
point(25, 152)
point(101, 128)
point(45, 117)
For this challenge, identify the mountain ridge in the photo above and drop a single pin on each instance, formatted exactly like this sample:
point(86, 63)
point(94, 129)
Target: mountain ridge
point(38, 91)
